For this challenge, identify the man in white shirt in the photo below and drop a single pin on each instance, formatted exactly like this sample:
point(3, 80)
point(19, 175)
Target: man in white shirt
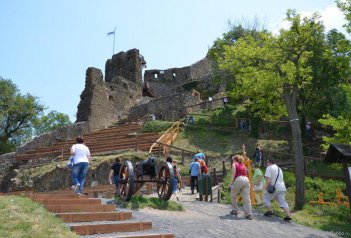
point(274, 176)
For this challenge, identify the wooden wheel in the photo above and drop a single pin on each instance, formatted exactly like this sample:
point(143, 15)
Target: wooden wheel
point(165, 181)
point(126, 181)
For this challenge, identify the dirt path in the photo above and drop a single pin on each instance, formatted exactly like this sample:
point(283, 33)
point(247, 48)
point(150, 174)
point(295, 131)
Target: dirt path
point(208, 220)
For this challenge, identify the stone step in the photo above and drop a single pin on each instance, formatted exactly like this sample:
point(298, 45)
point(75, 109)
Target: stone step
point(110, 228)
point(58, 201)
point(80, 208)
point(95, 216)
point(166, 235)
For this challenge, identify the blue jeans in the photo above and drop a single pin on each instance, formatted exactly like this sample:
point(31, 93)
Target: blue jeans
point(79, 172)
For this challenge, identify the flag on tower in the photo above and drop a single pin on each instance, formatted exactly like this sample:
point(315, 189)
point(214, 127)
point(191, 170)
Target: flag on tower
point(110, 33)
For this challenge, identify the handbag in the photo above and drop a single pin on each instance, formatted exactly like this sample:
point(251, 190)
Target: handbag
point(271, 188)
point(70, 163)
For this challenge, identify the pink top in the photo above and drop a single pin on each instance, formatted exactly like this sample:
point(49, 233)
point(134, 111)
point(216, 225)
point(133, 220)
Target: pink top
point(240, 170)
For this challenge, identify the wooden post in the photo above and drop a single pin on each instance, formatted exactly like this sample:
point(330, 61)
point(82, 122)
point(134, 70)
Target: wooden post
point(347, 171)
point(159, 150)
point(137, 142)
point(224, 170)
point(182, 157)
point(215, 180)
point(219, 195)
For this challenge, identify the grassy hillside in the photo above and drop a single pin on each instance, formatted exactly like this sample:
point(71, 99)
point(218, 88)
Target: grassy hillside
point(20, 217)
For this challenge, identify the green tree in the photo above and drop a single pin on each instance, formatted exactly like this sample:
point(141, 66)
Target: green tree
point(330, 64)
point(17, 113)
point(50, 122)
point(345, 7)
point(342, 130)
point(272, 70)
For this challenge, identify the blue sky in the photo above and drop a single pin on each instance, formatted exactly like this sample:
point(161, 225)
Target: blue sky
point(46, 46)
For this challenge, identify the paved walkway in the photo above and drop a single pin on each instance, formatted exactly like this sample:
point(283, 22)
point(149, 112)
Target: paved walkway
point(208, 220)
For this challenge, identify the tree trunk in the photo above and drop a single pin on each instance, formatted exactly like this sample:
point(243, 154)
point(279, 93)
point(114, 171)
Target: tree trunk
point(290, 103)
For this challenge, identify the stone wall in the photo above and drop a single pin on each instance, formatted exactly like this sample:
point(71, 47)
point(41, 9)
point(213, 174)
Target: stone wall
point(61, 134)
point(126, 64)
point(169, 108)
point(196, 71)
point(103, 103)
point(58, 178)
point(7, 163)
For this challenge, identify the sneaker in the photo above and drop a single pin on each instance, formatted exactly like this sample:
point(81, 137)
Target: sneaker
point(268, 214)
point(249, 217)
point(73, 187)
point(234, 212)
point(76, 188)
point(287, 219)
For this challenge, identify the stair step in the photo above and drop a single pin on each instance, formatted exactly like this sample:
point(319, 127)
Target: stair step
point(95, 216)
point(110, 228)
point(59, 196)
point(57, 201)
point(80, 208)
point(166, 235)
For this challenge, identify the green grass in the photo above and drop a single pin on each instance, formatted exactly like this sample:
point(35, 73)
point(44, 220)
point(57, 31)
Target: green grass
point(20, 217)
point(139, 202)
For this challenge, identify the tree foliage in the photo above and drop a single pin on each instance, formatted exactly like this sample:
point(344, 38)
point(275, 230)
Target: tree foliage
point(50, 122)
point(293, 73)
point(345, 7)
point(17, 112)
point(341, 127)
point(20, 114)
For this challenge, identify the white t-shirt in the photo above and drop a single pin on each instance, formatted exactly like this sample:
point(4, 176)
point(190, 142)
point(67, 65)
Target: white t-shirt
point(272, 173)
point(81, 153)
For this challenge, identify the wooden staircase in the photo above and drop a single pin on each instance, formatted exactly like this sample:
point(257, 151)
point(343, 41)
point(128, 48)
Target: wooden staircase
point(88, 216)
point(106, 140)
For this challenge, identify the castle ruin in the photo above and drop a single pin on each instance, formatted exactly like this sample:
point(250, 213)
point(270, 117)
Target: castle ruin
point(124, 95)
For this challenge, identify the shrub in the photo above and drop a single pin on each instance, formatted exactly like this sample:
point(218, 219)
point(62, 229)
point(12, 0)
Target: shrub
point(157, 126)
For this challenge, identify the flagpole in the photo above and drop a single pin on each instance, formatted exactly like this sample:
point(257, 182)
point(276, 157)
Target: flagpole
point(114, 38)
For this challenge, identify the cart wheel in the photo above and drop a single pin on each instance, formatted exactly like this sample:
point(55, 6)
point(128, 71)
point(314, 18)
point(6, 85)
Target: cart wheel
point(126, 181)
point(165, 181)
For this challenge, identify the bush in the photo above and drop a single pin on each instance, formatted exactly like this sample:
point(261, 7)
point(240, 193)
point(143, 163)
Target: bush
point(157, 126)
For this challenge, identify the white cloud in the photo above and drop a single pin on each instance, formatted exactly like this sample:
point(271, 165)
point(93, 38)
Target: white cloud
point(331, 16)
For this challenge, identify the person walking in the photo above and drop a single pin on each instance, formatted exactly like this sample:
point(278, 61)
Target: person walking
point(258, 182)
point(258, 155)
point(200, 155)
point(240, 184)
point(274, 177)
point(81, 154)
point(176, 177)
point(114, 173)
point(194, 173)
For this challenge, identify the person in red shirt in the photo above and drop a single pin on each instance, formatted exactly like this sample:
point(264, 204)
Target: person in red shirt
point(240, 183)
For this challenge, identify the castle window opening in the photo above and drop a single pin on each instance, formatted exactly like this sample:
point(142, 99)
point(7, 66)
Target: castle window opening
point(174, 75)
point(111, 98)
point(155, 75)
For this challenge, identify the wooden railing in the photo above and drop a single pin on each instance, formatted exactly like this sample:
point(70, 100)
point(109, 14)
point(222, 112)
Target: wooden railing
point(167, 138)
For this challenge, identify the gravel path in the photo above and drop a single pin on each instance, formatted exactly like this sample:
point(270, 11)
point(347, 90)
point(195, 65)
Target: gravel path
point(205, 219)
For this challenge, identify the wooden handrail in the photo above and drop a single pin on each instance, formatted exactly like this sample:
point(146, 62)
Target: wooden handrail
point(167, 138)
